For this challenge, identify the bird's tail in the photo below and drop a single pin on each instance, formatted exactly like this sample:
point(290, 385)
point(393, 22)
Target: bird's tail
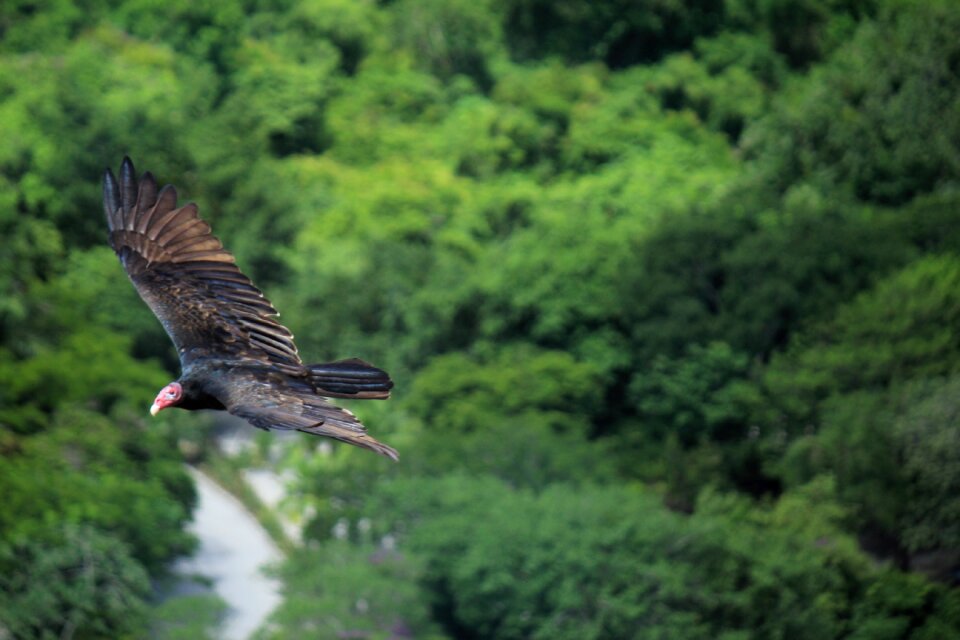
point(351, 378)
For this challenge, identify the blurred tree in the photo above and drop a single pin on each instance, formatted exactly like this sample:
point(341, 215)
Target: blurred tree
point(352, 26)
point(893, 455)
point(903, 605)
point(207, 32)
point(64, 117)
point(463, 394)
point(192, 617)
point(753, 279)
point(804, 31)
point(618, 33)
point(929, 439)
point(723, 92)
point(702, 395)
point(27, 26)
point(878, 120)
point(86, 470)
point(73, 582)
point(898, 330)
point(448, 38)
point(350, 591)
point(613, 562)
point(707, 247)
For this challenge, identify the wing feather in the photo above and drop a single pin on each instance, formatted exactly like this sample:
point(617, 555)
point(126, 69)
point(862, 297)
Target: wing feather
point(146, 199)
point(128, 193)
point(192, 284)
point(315, 416)
point(111, 201)
point(164, 210)
point(176, 224)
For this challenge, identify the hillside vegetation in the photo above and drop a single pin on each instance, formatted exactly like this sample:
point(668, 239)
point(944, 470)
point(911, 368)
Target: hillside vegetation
point(670, 292)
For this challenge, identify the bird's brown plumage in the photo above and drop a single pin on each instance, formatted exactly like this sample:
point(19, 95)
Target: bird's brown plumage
point(233, 351)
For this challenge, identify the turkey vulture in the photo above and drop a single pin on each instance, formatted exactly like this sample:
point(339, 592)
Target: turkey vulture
point(234, 355)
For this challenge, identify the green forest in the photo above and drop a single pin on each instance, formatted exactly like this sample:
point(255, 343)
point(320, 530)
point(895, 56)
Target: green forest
point(670, 291)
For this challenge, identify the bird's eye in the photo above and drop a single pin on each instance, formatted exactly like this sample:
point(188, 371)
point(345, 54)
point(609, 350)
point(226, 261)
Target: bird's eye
point(171, 395)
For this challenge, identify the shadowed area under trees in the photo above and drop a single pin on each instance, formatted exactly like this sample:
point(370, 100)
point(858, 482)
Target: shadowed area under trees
point(670, 292)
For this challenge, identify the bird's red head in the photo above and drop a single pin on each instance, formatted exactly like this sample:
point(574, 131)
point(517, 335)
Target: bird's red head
point(168, 397)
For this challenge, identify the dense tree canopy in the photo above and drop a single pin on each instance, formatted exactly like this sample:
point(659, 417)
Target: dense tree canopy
point(669, 290)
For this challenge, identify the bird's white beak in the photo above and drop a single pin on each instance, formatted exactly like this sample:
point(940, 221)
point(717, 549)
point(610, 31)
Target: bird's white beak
point(155, 409)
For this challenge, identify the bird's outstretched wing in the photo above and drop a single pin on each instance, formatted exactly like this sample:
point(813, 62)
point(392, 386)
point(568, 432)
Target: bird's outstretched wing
point(292, 404)
point(192, 284)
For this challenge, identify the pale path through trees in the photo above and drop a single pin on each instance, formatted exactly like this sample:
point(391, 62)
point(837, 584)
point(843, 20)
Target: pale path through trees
point(233, 549)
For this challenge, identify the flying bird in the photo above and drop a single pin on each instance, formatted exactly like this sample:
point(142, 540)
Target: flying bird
point(234, 354)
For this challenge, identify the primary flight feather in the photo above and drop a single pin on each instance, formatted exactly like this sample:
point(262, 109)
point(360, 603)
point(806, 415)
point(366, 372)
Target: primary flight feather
point(234, 354)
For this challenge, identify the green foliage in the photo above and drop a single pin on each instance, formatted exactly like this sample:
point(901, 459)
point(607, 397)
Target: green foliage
point(879, 119)
point(92, 502)
point(619, 33)
point(860, 393)
point(725, 98)
point(900, 605)
point(448, 38)
point(194, 617)
point(802, 31)
point(348, 591)
point(73, 581)
point(701, 395)
point(32, 251)
point(63, 114)
point(613, 562)
point(900, 329)
point(707, 247)
point(893, 455)
point(86, 469)
point(459, 393)
point(928, 437)
point(751, 280)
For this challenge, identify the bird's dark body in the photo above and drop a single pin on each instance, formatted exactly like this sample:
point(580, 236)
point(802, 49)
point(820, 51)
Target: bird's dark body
point(234, 354)
point(201, 389)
